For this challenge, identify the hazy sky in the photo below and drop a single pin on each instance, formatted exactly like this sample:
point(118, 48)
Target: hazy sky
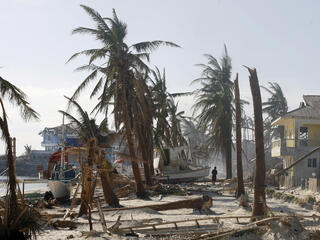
point(280, 38)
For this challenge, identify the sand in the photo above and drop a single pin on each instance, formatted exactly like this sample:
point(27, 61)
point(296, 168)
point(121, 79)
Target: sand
point(224, 204)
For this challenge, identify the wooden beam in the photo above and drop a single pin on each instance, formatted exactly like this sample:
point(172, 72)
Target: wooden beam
point(299, 160)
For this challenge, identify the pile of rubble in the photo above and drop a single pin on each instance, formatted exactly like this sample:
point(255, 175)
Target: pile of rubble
point(169, 189)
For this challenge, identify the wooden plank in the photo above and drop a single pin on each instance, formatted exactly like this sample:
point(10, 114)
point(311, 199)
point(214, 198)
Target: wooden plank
point(102, 220)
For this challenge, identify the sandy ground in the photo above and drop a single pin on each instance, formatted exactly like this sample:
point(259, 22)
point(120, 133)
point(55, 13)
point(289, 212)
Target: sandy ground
point(224, 204)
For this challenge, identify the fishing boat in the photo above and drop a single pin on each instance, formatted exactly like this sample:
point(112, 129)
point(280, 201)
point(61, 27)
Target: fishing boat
point(61, 184)
point(63, 175)
point(176, 165)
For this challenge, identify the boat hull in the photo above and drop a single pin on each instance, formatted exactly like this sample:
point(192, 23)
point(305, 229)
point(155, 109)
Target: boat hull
point(60, 189)
point(184, 176)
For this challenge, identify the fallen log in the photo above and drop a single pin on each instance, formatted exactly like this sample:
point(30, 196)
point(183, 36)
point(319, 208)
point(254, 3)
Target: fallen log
point(199, 203)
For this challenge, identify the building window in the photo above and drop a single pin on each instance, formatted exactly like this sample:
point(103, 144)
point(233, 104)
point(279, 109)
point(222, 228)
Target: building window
point(309, 162)
point(304, 136)
point(312, 162)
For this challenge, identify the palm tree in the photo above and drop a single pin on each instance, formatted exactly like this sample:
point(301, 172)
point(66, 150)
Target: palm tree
point(16, 96)
point(168, 129)
point(86, 127)
point(276, 105)
point(118, 80)
point(160, 97)
point(176, 118)
point(27, 150)
point(214, 105)
point(88, 130)
point(196, 140)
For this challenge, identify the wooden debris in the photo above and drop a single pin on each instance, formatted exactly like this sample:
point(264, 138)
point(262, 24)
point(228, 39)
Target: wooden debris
point(124, 191)
point(115, 227)
point(199, 203)
point(90, 234)
point(64, 224)
point(102, 220)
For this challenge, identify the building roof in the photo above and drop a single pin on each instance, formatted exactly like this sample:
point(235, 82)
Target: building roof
point(312, 100)
point(309, 110)
point(69, 129)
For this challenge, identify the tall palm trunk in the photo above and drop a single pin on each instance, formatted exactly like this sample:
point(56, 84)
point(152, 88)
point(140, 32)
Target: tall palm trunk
point(141, 128)
point(140, 191)
point(240, 189)
point(259, 204)
point(228, 154)
point(144, 152)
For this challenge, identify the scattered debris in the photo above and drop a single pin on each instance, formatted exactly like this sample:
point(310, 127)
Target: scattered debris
point(57, 224)
point(169, 189)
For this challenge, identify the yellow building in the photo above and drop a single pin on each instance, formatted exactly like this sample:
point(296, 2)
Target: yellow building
point(298, 132)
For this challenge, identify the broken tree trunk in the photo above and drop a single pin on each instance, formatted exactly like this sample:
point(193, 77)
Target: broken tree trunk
point(240, 189)
point(86, 187)
point(194, 203)
point(259, 204)
point(108, 193)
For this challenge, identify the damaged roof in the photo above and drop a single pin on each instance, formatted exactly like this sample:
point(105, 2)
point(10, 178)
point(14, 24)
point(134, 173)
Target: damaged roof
point(310, 109)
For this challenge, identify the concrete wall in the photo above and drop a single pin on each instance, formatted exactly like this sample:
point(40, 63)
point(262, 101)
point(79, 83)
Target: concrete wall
point(302, 170)
point(314, 184)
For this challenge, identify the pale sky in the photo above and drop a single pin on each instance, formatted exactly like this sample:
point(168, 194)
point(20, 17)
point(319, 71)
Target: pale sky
point(280, 38)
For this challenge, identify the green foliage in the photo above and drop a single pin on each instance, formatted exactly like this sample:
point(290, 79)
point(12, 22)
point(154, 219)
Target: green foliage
point(213, 107)
point(17, 97)
point(168, 119)
point(276, 105)
point(86, 127)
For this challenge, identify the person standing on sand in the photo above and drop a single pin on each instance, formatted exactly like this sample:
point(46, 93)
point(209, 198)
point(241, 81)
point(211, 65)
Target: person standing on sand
point(214, 175)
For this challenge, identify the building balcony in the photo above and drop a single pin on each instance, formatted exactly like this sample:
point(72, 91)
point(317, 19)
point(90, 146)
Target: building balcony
point(48, 144)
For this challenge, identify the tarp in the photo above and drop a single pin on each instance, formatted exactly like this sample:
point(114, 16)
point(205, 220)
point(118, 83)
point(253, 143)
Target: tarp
point(119, 160)
point(56, 157)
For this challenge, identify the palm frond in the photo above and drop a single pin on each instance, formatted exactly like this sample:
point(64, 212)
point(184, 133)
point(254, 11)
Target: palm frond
point(152, 45)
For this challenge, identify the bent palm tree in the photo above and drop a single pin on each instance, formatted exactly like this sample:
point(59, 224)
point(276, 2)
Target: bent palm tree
point(16, 96)
point(117, 79)
point(214, 105)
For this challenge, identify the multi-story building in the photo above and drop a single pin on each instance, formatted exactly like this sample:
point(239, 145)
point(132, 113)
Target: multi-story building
point(52, 137)
point(298, 133)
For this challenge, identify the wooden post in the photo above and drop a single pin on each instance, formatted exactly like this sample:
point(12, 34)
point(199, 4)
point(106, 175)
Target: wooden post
point(240, 189)
point(259, 204)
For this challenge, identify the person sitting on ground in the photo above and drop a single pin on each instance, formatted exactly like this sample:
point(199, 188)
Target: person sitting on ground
point(214, 175)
